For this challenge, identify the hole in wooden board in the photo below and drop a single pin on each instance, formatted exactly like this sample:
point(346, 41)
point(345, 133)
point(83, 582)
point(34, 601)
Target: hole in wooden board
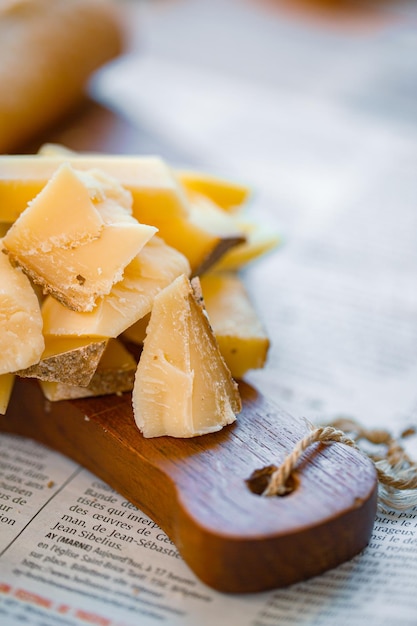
point(259, 479)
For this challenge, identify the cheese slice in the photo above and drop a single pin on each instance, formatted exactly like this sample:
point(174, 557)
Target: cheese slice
point(182, 386)
point(155, 267)
point(21, 339)
point(239, 332)
point(115, 373)
point(71, 360)
point(66, 245)
point(6, 387)
point(154, 187)
point(159, 199)
point(225, 193)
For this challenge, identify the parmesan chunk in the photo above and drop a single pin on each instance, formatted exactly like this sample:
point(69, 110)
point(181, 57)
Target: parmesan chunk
point(155, 267)
point(159, 199)
point(150, 180)
point(65, 245)
point(182, 386)
point(239, 332)
point(21, 339)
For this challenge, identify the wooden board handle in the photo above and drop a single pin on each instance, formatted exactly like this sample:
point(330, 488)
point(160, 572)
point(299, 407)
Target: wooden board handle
point(197, 489)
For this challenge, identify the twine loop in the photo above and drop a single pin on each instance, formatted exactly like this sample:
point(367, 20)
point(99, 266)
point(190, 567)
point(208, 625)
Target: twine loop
point(397, 473)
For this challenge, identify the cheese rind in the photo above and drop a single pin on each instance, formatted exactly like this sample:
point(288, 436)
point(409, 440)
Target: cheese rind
point(183, 387)
point(115, 373)
point(71, 360)
point(155, 267)
point(21, 339)
point(67, 246)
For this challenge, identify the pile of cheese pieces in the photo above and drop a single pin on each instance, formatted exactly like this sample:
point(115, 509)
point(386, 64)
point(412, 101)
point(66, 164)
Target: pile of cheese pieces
point(101, 251)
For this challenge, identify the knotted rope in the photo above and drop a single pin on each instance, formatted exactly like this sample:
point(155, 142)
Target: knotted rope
point(397, 473)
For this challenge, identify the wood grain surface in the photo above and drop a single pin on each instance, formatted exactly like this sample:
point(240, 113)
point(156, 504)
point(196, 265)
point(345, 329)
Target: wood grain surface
point(197, 489)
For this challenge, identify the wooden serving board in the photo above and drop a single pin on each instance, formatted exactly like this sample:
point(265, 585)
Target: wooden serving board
point(196, 489)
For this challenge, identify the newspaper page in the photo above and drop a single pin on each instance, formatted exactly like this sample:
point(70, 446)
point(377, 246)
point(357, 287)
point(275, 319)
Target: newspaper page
point(327, 139)
point(73, 551)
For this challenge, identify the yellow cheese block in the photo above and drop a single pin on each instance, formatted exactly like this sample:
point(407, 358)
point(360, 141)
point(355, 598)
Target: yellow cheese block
point(155, 267)
point(72, 360)
point(6, 387)
point(236, 325)
point(242, 339)
point(21, 339)
point(115, 373)
point(67, 246)
point(226, 194)
point(158, 197)
point(150, 180)
point(182, 385)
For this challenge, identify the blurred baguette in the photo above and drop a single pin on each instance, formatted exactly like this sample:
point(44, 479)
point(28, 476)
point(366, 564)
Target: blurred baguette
point(48, 50)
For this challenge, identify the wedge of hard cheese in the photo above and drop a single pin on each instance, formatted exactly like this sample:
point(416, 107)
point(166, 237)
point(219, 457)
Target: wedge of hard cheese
point(21, 339)
point(182, 386)
point(155, 267)
point(158, 198)
point(154, 189)
point(74, 239)
point(242, 339)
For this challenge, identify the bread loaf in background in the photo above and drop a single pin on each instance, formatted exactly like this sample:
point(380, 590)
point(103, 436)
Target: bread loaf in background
point(48, 50)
